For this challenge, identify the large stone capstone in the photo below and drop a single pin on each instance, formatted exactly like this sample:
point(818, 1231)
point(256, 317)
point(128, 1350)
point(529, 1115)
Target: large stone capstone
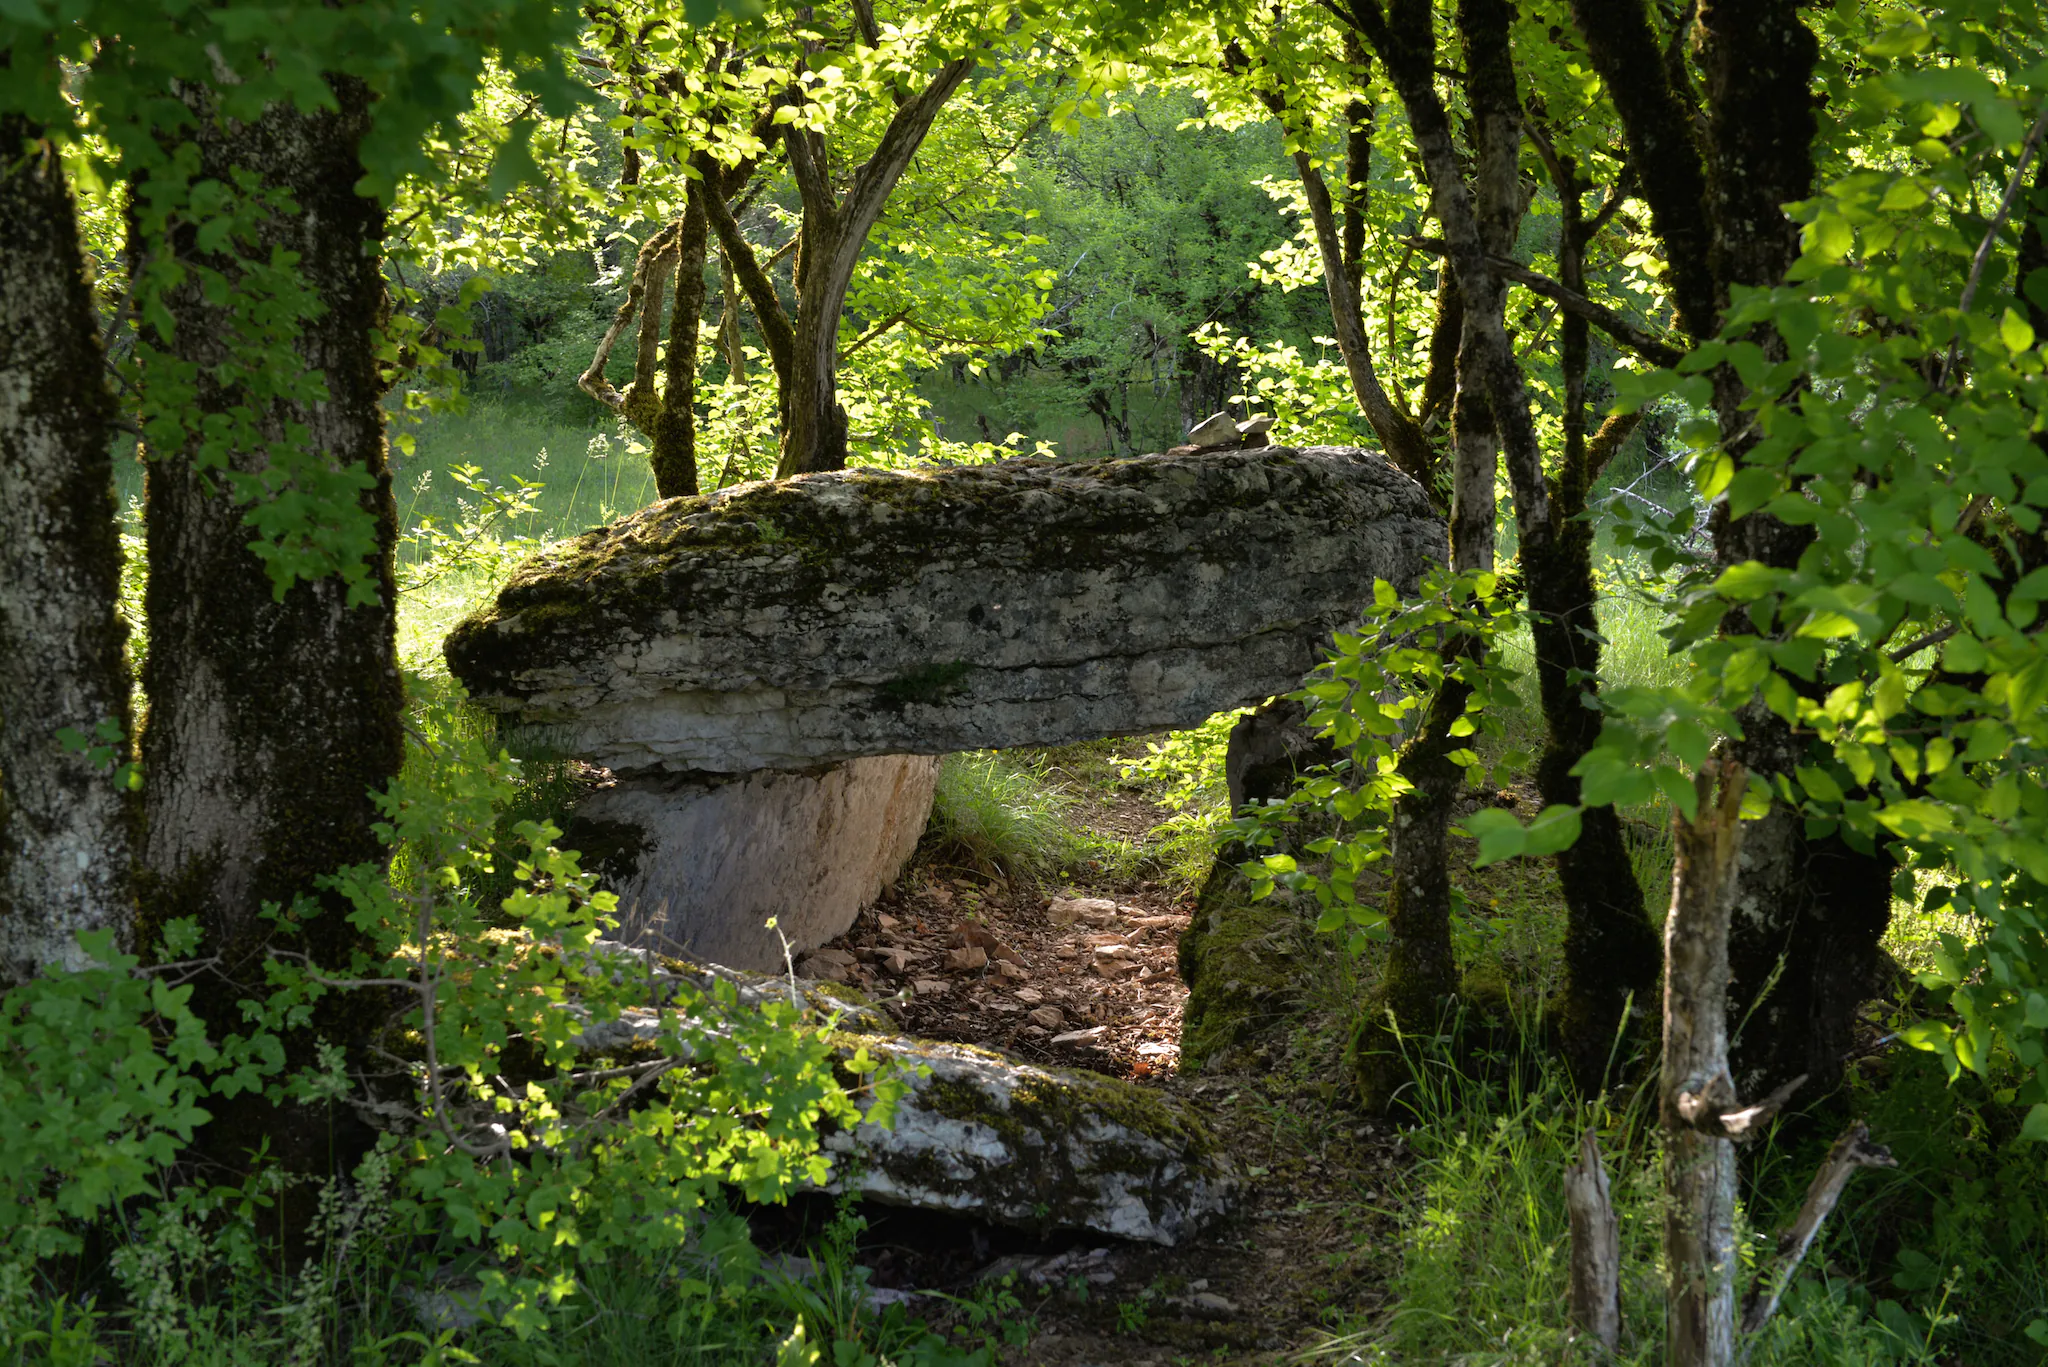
point(829, 617)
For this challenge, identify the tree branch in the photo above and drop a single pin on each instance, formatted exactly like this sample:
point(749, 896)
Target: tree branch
point(776, 331)
point(1852, 1151)
point(592, 381)
point(1603, 445)
point(1635, 337)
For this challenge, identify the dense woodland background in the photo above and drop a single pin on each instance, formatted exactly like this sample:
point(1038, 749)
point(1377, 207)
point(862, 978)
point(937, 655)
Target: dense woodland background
point(1710, 329)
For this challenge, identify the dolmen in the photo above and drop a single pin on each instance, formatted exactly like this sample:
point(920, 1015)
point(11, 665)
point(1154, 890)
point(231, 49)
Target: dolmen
point(771, 671)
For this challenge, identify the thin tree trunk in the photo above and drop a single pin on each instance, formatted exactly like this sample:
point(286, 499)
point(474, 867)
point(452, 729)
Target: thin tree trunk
point(1421, 975)
point(674, 437)
point(1610, 950)
point(66, 830)
point(273, 718)
point(1699, 1166)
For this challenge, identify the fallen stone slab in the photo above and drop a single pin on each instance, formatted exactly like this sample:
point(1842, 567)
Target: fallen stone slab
point(820, 619)
point(985, 1135)
point(1040, 1148)
point(701, 863)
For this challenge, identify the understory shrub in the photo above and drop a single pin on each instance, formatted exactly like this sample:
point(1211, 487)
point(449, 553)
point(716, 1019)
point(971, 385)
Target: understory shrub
point(526, 1166)
point(1939, 1261)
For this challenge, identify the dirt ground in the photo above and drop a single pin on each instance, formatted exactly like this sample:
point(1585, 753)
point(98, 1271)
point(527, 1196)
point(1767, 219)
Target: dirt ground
point(1083, 975)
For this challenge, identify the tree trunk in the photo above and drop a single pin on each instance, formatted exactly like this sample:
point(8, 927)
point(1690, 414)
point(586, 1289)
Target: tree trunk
point(1699, 1167)
point(1610, 950)
point(675, 426)
point(835, 231)
point(67, 830)
point(1811, 911)
point(813, 422)
point(273, 718)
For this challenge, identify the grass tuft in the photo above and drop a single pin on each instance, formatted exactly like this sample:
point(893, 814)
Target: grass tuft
point(1001, 815)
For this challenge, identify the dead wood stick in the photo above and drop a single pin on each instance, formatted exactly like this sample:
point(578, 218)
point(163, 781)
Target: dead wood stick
point(1852, 1151)
point(1596, 1247)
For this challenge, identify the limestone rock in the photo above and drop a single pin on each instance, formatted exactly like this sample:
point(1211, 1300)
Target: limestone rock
point(980, 1132)
point(1218, 429)
point(1037, 1147)
point(871, 612)
point(700, 864)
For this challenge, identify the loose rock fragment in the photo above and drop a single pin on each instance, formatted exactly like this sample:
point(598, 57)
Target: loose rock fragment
point(968, 957)
point(1037, 1147)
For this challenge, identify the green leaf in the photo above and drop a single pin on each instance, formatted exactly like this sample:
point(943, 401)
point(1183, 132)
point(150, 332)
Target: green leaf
point(1555, 828)
point(2016, 332)
point(2035, 1127)
point(1500, 836)
point(1819, 784)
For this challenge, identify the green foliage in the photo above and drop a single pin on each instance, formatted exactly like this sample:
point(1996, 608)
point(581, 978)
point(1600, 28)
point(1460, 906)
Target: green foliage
point(1183, 776)
point(1897, 430)
point(529, 1146)
point(101, 1081)
point(420, 65)
point(1483, 1257)
point(1363, 697)
point(1002, 813)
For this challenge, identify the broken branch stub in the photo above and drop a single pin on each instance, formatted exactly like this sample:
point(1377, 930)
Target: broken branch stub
point(1596, 1247)
point(1852, 1151)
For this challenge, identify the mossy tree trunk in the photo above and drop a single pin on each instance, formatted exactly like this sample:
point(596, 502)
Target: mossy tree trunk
point(273, 718)
point(66, 829)
point(1715, 169)
point(675, 427)
point(1610, 950)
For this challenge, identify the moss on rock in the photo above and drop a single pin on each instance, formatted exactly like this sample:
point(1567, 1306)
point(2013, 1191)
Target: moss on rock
point(1041, 1148)
point(1237, 957)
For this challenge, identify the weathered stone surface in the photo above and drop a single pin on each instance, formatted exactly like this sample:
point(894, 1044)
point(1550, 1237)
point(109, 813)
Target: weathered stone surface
point(1038, 1147)
point(980, 1133)
point(1240, 959)
point(1218, 429)
point(699, 865)
point(870, 612)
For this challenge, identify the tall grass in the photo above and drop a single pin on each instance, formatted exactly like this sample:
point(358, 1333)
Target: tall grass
point(1484, 1259)
point(1003, 814)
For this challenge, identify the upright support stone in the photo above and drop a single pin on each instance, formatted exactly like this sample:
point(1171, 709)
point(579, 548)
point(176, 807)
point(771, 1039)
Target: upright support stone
point(701, 864)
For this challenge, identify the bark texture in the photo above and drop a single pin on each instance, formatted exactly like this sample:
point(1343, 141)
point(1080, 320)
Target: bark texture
point(273, 718)
point(1699, 1165)
point(1811, 912)
point(66, 830)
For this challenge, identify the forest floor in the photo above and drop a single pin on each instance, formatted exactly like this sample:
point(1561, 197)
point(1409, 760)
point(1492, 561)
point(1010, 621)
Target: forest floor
point(1083, 974)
